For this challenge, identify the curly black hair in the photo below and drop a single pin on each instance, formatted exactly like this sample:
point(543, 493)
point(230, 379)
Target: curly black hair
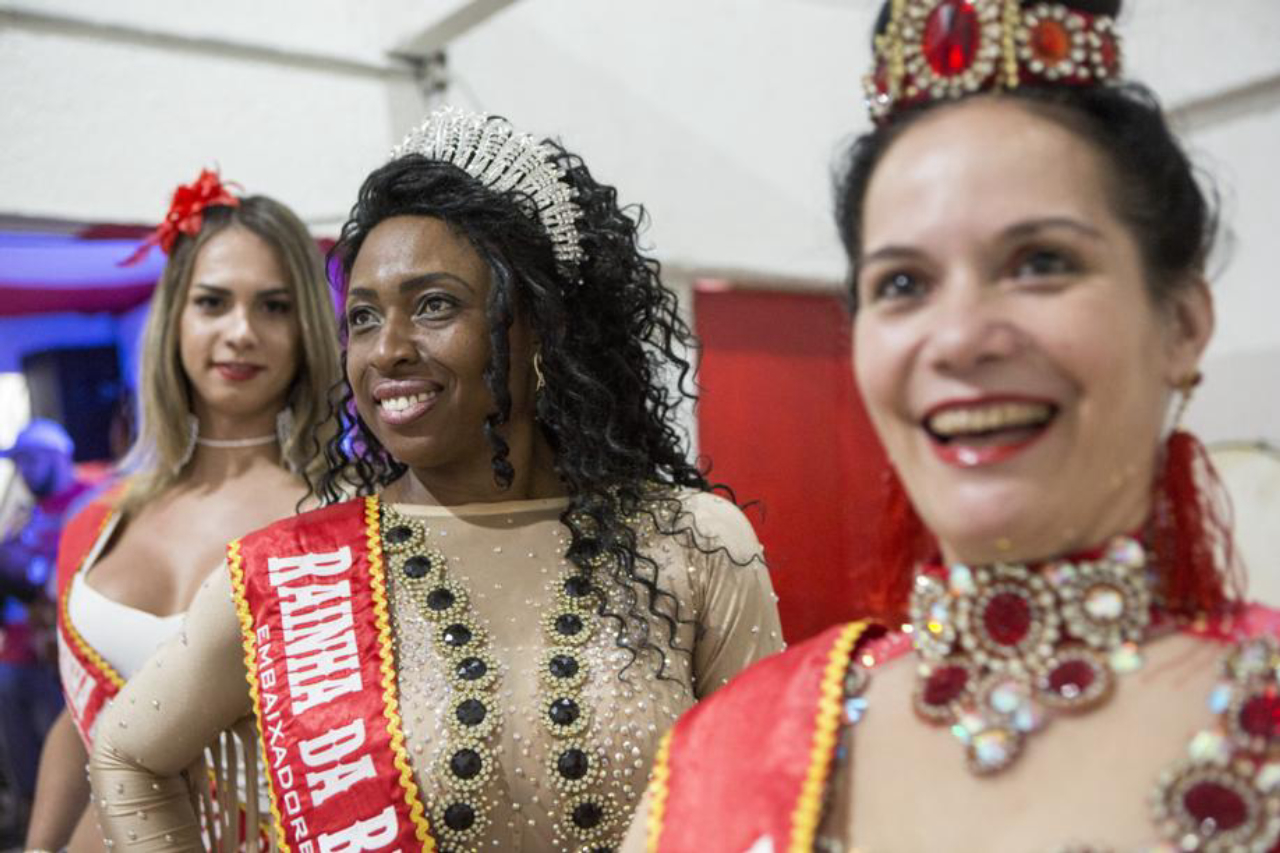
point(612, 354)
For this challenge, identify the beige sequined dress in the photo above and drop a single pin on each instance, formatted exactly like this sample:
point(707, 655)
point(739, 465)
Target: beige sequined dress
point(508, 559)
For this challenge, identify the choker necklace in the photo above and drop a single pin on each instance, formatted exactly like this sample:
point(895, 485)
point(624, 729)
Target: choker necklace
point(229, 443)
point(1005, 648)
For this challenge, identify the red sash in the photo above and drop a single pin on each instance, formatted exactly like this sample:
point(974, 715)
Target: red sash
point(752, 762)
point(311, 596)
point(88, 681)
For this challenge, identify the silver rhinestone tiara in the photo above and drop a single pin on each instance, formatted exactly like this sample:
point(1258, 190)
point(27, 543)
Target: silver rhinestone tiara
point(489, 149)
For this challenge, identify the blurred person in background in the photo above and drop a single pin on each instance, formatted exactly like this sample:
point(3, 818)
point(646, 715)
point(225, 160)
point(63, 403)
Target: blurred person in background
point(239, 353)
point(42, 456)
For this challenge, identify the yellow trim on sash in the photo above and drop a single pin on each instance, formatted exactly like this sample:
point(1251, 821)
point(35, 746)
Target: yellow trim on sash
point(236, 565)
point(65, 606)
point(391, 704)
point(659, 788)
point(808, 809)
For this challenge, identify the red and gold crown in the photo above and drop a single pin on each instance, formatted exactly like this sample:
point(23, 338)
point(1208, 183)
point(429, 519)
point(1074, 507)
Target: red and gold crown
point(936, 49)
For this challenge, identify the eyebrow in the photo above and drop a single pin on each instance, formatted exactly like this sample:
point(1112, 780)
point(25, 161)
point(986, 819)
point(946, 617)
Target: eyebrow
point(1031, 226)
point(891, 253)
point(1017, 230)
point(224, 291)
point(409, 285)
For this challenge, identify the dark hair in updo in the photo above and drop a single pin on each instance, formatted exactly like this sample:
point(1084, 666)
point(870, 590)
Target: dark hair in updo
point(613, 353)
point(1154, 187)
point(1155, 192)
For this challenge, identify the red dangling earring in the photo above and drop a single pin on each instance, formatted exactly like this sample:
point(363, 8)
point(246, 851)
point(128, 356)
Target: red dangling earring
point(902, 541)
point(1191, 524)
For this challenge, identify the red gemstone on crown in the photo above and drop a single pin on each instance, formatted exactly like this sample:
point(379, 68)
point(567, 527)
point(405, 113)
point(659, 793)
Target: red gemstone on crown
point(1050, 42)
point(880, 80)
point(944, 685)
point(1071, 678)
point(1110, 53)
point(1260, 716)
point(1207, 801)
point(951, 36)
point(1007, 618)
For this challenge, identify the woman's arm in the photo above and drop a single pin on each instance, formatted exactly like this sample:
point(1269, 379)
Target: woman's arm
point(739, 611)
point(192, 689)
point(62, 791)
point(637, 838)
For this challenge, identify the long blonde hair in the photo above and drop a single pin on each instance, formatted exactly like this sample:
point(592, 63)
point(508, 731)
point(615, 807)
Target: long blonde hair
point(153, 463)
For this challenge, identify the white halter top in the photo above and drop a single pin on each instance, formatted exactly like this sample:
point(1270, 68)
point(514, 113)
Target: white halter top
point(123, 635)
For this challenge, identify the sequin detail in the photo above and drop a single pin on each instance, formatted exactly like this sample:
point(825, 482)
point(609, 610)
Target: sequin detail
point(462, 814)
point(1006, 647)
point(1225, 794)
point(586, 814)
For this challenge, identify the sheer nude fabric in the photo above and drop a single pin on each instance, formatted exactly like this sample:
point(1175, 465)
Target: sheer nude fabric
point(507, 557)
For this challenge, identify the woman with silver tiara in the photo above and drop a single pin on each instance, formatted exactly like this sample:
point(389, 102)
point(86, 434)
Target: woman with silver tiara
point(482, 651)
point(1061, 659)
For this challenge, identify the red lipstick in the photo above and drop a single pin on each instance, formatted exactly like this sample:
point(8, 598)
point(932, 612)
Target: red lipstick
point(237, 372)
point(990, 441)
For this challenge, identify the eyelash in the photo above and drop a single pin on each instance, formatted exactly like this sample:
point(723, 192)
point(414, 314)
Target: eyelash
point(443, 301)
point(903, 279)
point(354, 315)
point(897, 278)
point(1067, 262)
point(357, 316)
point(209, 303)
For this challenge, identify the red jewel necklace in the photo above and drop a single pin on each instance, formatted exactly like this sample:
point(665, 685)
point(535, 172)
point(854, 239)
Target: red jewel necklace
point(1006, 648)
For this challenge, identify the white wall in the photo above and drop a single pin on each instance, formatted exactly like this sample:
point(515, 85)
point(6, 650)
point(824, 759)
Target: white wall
point(107, 106)
point(723, 116)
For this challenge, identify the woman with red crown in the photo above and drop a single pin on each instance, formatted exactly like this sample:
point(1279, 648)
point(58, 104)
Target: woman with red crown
point(1060, 659)
point(483, 650)
point(237, 359)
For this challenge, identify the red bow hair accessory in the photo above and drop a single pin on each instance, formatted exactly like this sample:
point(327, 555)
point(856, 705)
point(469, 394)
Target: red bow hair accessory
point(186, 213)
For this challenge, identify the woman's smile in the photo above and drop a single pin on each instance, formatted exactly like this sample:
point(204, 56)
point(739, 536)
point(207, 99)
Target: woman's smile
point(986, 430)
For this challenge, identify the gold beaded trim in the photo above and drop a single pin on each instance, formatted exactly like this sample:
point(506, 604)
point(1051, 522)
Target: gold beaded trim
point(586, 815)
point(660, 789)
point(386, 667)
point(64, 604)
point(807, 812)
point(235, 565)
point(470, 760)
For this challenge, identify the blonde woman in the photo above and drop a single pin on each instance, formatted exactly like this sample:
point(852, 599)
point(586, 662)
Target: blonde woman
point(240, 350)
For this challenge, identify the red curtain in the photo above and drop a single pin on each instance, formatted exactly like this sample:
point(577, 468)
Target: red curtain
point(783, 425)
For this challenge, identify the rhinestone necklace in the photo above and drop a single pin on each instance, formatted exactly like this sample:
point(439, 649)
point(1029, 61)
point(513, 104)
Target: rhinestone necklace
point(585, 814)
point(1005, 648)
point(1225, 793)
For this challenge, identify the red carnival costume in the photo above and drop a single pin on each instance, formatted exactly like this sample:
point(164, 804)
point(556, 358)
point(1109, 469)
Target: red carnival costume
point(88, 681)
point(710, 794)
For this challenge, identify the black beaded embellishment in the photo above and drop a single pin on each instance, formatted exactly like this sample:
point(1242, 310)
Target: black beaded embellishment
point(584, 814)
point(468, 764)
point(587, 817)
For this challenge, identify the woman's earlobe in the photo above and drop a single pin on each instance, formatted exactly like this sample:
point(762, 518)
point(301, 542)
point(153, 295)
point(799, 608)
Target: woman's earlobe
point(1192, 320)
